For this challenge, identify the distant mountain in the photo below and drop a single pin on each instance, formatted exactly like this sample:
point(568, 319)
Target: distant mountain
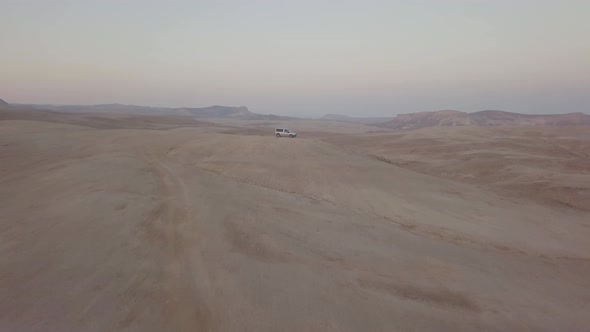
point(216, 111)
point(337, 117)
point(483, 118)
point(102, 108)
point(3, 103)
point(346, 118)
point(102, 120)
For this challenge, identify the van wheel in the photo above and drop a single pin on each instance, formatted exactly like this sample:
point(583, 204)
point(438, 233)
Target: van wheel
point(291, 136)
point(278, 135)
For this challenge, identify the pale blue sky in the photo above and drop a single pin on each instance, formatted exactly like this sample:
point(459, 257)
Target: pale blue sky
point(304, 57)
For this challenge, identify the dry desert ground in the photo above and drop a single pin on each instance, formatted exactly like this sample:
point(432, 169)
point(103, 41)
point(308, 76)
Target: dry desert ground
point(131, 223)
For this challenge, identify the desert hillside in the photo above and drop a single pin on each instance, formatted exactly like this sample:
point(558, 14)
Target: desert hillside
point(156, 223)
point(548, 164)
point(483, 118)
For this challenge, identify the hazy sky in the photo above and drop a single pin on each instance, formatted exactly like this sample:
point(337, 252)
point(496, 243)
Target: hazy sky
point(304, 57)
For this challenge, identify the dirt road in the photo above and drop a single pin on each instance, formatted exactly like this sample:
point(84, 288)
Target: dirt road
point(196, 230)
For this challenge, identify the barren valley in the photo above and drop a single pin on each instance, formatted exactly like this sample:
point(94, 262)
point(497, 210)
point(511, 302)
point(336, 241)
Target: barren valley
point(127, 222)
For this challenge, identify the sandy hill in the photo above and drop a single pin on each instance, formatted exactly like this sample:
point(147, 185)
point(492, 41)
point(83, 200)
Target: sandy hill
point(483, 118)
point(3, 103)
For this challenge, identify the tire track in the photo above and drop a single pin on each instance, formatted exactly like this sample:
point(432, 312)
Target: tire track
point(189, 299)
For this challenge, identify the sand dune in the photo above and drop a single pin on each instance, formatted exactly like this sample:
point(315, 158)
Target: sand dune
point(222, 227)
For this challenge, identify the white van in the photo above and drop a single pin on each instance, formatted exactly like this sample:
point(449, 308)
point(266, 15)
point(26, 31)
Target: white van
point(285, 132)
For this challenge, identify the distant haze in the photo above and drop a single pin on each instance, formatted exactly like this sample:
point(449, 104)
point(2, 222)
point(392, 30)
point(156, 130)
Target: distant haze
point(301, 58)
